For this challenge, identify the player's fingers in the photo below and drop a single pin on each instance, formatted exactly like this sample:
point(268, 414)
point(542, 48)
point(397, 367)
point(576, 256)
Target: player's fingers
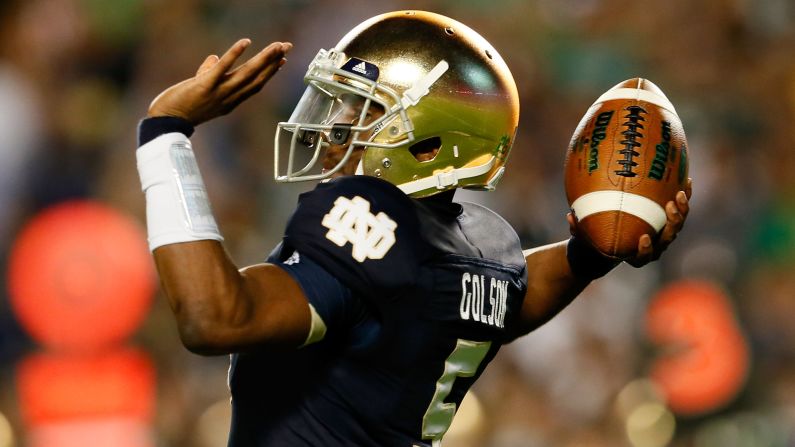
point(645, 252)
point(675, 214)
point(674, 217)
point(208, 63)
point(266, 62)
point(241, 93)
point(682, 203)
point(689, 188)
point(228, 59)
point(572, 220)
point(673, 225)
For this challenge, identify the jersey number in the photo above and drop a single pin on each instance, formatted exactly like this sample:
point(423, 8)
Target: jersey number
point(462, 362)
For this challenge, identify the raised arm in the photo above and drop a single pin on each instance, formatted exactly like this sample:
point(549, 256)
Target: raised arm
point(218, 308)
point(558, 272)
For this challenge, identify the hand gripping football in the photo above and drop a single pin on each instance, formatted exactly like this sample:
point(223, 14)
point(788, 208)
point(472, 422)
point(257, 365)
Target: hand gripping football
point(626, 160)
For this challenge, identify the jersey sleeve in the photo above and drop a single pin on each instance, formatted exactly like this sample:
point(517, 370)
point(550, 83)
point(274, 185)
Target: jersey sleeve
point(361, 230)
point(330, 300)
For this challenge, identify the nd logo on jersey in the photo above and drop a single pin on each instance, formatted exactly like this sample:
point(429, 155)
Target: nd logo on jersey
point(351, 221)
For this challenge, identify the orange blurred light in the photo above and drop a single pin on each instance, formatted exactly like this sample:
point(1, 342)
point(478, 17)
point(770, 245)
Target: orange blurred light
point(97, 432)
point(54, 388)
point(80, 276)
point(705, 357)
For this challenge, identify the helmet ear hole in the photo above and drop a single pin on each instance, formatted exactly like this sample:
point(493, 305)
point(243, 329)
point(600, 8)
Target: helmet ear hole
point(426, 149)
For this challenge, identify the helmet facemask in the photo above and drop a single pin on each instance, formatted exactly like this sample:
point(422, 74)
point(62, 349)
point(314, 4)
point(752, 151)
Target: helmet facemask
point(339, 114)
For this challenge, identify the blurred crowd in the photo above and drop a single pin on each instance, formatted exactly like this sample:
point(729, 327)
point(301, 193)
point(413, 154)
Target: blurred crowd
point(77, 75)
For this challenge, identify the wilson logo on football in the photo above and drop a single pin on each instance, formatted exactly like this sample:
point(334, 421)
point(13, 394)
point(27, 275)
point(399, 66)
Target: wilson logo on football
point(351, 221)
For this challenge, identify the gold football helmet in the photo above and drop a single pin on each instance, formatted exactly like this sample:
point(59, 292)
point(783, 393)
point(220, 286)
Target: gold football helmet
point(431, 104)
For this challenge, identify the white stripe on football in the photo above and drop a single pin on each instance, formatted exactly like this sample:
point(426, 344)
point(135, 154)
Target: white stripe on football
point(601, 201)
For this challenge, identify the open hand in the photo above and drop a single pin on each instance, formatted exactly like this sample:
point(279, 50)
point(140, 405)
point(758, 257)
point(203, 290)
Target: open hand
point(217, 88)
point(650, 249)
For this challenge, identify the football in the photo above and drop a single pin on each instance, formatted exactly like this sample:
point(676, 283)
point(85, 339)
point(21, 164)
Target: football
point(627, 158)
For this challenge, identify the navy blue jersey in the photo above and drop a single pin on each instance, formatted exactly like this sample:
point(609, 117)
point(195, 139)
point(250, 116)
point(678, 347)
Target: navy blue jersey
point(417, 297)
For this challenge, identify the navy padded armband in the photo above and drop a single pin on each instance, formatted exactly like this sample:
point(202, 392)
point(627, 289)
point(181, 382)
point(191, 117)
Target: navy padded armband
point(586, 262)
point(152, 127)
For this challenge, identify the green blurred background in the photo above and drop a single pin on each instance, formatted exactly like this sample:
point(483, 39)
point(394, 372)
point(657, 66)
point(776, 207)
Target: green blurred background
point(714, 367)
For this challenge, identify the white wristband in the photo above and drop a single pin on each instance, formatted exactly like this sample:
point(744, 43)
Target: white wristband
point(177, 208)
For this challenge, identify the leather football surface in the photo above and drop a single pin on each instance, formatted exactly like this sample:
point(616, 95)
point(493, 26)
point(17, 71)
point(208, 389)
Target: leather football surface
point(627, 158)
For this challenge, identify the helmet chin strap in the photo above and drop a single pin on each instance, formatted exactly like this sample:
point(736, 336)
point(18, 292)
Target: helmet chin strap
point(444, 180)
point(423, 85)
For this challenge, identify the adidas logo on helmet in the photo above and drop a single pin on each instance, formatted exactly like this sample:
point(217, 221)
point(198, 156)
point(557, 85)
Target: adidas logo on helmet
point(360, 68)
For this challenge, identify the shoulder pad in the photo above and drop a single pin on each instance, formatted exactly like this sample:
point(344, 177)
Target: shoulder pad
point(362, 230)
point(495, 238)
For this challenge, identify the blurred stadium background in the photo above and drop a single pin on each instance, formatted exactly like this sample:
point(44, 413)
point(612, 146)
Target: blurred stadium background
point(696, 350)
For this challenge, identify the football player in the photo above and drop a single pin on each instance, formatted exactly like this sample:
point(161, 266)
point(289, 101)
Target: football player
point(386, 299)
